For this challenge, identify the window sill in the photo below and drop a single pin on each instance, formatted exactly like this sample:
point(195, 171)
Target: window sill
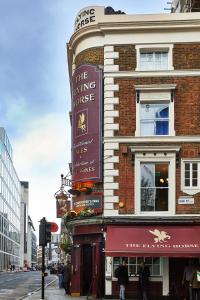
point(191, 191)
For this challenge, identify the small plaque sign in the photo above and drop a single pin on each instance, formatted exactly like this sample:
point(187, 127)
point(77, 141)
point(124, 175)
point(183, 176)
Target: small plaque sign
point(186, 200)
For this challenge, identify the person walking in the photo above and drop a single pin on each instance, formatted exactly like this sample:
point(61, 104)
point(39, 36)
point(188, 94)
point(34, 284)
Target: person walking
point(195, 283)
point(66, 272)
point(187, 274)
point(144, 274)
point(122, 275)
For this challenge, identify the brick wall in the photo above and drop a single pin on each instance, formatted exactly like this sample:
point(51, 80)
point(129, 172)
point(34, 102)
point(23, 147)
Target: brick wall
point(127, 57)
point(125, 179)
point(92, 55)
point(186, 56)
point(187, 107)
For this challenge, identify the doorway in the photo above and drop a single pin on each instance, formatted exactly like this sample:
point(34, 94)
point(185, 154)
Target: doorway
point(86, 267)
point(176, 269)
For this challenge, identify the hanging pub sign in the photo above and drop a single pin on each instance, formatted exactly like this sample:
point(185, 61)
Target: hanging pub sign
point(92, 202)
point(86, 123)
point(62, 207)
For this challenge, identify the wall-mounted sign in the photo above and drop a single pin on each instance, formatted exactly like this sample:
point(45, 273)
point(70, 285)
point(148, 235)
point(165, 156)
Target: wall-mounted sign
point(86, 123)
point(186, 200)
point(94, 202)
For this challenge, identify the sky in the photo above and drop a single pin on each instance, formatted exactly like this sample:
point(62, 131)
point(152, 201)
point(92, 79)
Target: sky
point(34, 89)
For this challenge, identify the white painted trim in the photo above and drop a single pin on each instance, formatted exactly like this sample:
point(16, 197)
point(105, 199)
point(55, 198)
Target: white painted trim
point(172, 73)
point(111, 68)
point(108, 61)
point(153, 139)
point(111, 127)
point(113, 55)
point(155, 47)
point(109, 48)
point(165, 272)
point(111, 100)
point(149, 157)
point(165, 148)
point(155, 87)
point(110, 213)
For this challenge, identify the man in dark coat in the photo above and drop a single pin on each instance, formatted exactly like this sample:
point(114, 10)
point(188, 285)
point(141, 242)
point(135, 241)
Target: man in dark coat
point(144, 274)
point(66, 272)
point(122, 275)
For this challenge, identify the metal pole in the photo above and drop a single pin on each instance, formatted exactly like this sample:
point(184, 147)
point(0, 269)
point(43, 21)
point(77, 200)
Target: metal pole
point(43, 271)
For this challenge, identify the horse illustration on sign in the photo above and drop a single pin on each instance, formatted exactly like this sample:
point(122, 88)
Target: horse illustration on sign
point(161, 236)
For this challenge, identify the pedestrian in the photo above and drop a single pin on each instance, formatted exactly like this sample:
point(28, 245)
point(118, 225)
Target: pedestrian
point(122, 275)
point(144, 274)
point(187, 274)
point(195, 283)
point(66, 279)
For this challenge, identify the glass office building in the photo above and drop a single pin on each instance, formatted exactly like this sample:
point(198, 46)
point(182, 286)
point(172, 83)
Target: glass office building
point(10, 190)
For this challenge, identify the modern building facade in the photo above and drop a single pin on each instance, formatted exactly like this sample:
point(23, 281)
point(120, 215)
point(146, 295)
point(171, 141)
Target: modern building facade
point(9, 206)
point(135, 83)
point(27, 236)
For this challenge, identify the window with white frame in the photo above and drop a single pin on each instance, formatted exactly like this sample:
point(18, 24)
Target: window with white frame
point(190, 176)
point(154, 186)
point(133, 264)
point(153, 60)
point(155, 179)
point(151, 57)
point(155, 110)
point(154, 119)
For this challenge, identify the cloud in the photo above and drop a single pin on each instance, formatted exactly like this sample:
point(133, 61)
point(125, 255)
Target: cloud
point(41, 154)
point(43, 143)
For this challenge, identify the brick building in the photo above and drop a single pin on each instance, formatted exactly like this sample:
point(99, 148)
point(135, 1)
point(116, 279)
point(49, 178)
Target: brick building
point(135, 148)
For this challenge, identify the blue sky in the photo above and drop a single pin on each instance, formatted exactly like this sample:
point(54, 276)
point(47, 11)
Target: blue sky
point(34, 88)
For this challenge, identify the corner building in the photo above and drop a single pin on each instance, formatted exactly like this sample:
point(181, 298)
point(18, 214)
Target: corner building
point(145, 162)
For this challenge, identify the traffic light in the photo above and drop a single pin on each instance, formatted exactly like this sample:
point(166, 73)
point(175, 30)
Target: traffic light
point(48, 232)
point(44, 232)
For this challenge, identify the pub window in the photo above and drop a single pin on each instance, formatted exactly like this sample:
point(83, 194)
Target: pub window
point(133, 264)
point(153, 60)
point(154, 119)
point(151, 57)
point(154, 187)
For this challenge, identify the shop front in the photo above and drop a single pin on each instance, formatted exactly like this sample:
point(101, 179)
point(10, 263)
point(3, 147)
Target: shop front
point(166, 250)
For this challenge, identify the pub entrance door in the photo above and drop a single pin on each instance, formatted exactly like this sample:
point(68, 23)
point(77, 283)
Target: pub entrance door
point(86, 268)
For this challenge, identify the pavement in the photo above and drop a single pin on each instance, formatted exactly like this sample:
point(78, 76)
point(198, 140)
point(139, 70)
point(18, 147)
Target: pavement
point(51, 292)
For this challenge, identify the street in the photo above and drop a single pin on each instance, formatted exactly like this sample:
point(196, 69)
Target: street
point(14, 285)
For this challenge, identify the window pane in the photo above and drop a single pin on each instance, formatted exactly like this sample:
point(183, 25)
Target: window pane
point(187, 167)
point(155, 60)
point(154, 187)
point(148, 199)
point(161, 201)
point(148, 175)
point(194, 182)
point(154, 119)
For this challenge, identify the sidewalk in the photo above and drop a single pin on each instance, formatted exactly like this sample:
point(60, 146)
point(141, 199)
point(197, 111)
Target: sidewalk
point(52, 292)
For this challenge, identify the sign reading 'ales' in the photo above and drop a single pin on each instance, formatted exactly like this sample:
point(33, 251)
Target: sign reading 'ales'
point(86, 123)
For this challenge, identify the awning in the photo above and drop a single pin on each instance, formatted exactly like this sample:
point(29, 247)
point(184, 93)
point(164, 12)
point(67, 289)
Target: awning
point(171, 241)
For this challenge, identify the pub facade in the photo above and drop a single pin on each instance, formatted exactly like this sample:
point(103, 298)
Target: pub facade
point(135, 85)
